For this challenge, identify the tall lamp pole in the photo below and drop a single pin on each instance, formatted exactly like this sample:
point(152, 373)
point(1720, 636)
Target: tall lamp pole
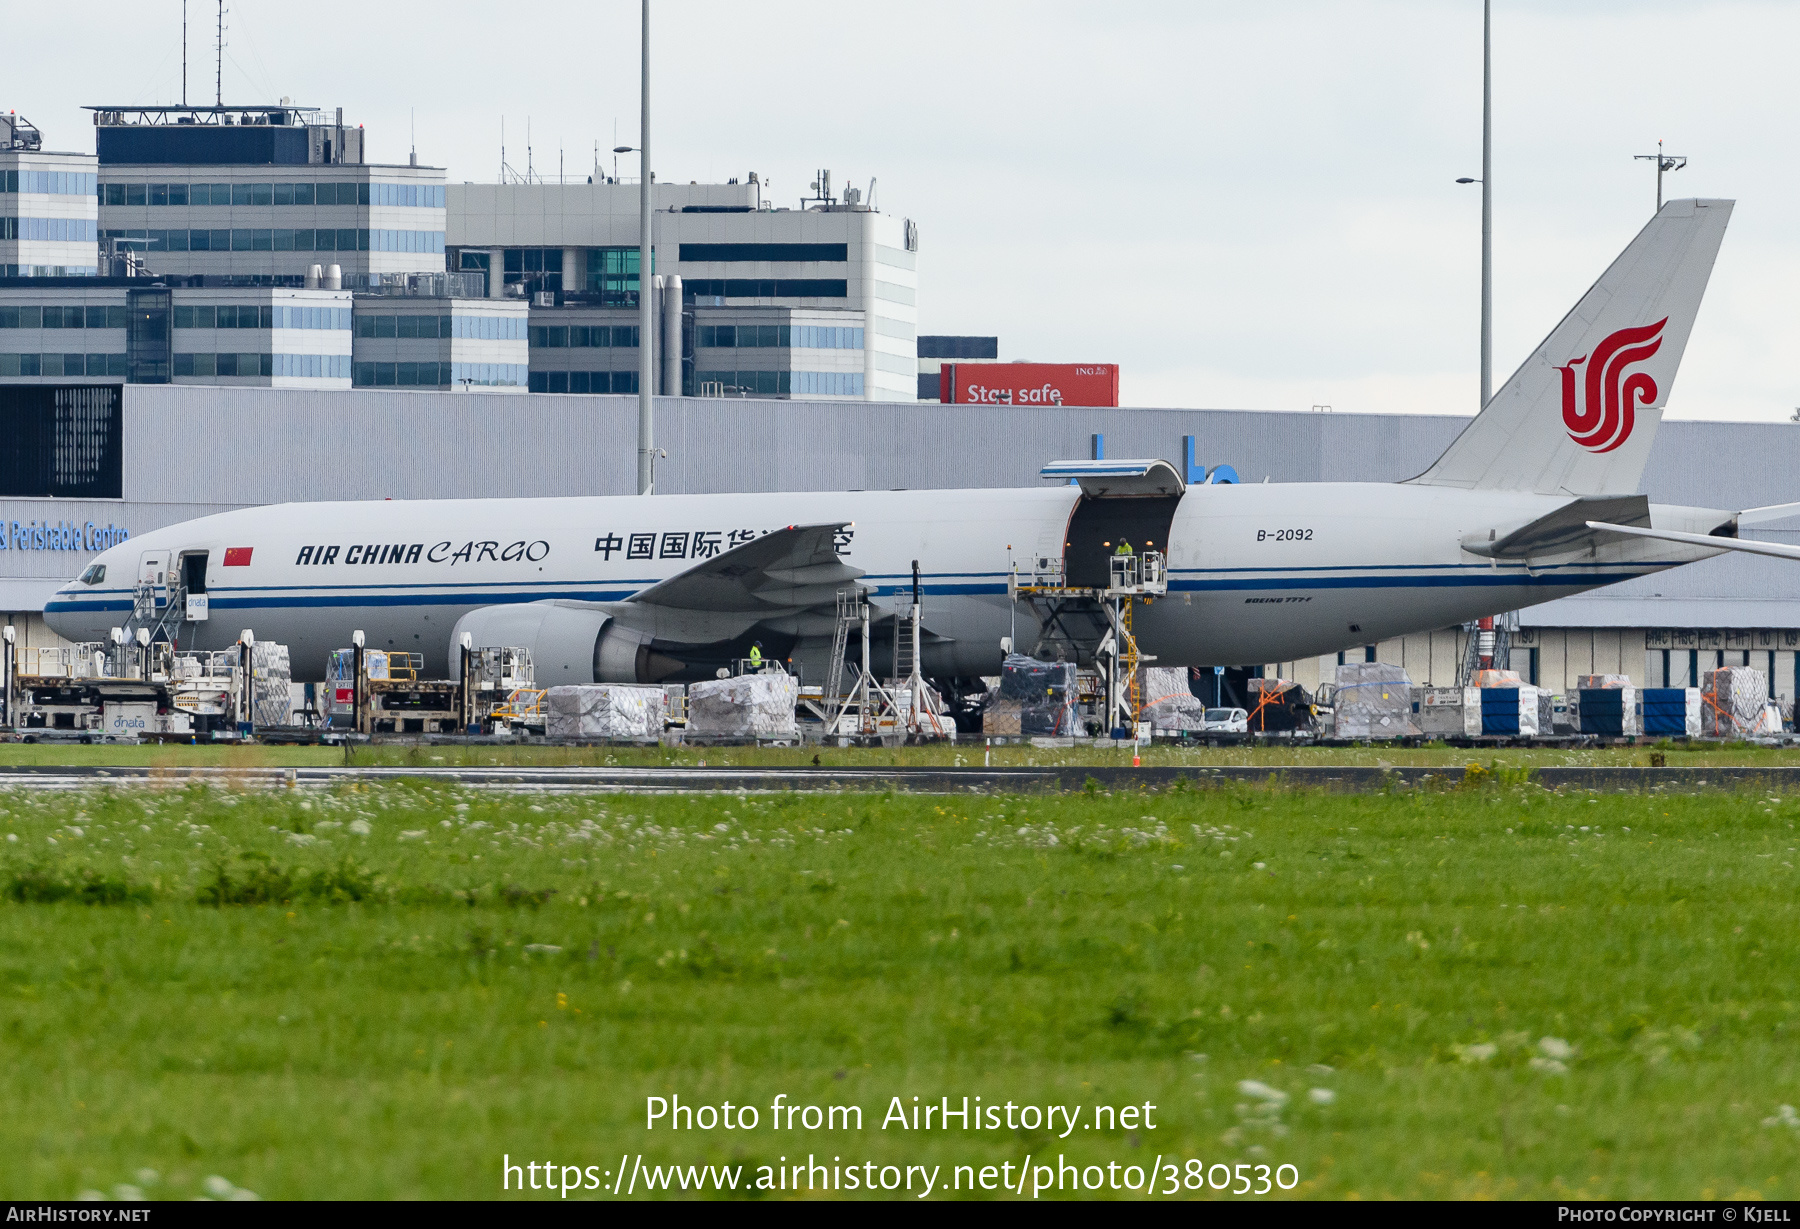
point(1664, 162)
point(646, 444)
point(1487, 203)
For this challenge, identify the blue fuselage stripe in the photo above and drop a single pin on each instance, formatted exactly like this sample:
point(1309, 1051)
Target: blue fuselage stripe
point(396, 595)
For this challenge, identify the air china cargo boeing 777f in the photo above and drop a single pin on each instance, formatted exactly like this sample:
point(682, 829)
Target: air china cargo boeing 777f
point(1535, 500)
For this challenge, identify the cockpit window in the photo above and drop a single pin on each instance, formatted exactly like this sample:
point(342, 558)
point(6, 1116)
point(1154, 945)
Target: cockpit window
point(95, 574)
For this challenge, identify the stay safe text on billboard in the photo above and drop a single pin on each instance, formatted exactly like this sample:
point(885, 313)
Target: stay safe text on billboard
point(1084, 384)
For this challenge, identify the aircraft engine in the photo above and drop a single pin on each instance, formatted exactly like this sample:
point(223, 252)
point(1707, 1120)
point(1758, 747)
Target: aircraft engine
point(569, 644)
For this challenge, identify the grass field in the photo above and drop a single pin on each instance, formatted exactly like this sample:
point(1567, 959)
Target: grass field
point(378, 992)
point(961, 754)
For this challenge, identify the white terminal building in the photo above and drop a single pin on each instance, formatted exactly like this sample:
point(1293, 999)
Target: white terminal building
point(48, 224)
point(510, 286)
point(255, 246)
point(754, 299)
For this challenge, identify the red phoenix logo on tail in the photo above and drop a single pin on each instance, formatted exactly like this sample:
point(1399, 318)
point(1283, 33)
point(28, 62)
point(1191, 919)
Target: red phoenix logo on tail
point(1601, 415)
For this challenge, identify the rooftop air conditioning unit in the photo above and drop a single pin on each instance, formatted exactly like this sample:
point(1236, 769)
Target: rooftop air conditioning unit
point(544, 298)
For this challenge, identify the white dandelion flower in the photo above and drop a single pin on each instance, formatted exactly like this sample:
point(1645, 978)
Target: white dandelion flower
point(1321, 1096)
point(1557, 1048)
point(1549, 1066)
point(1262, 1092)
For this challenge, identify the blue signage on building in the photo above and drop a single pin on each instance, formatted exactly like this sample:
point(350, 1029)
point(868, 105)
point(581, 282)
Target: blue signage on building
point(62, 535)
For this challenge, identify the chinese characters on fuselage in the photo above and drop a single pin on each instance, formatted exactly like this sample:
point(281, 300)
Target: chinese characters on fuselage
point(690, 543)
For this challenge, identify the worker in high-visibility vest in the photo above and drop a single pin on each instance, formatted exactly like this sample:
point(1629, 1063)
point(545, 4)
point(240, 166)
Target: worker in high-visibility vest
point(1124, 548)
point(756, 662)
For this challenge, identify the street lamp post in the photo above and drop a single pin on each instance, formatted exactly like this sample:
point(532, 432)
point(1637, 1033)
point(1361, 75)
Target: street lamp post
point(646, 445)
point(1487, 203)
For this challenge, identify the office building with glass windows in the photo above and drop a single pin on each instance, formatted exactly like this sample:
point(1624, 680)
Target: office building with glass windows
point(47, 215)
point(819, 301)
point(426, 341)
point(258, 195)
point(138, 331)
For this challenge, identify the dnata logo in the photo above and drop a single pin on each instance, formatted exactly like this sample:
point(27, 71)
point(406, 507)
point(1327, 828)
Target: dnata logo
point(1601, 413)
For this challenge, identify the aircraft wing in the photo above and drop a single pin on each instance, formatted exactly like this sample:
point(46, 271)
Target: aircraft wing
point(1775, 549)
point(788, 569)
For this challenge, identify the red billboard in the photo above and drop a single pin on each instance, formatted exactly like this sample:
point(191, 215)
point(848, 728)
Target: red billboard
point(1084, 384)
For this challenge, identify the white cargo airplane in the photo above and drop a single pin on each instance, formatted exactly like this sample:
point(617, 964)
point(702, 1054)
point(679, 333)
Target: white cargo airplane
point(1535, 500)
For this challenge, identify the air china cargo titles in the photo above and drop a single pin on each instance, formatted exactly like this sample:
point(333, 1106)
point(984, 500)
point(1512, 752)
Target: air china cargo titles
point(442, 552)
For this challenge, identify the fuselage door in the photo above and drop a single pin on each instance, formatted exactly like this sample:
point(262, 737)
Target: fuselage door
point(193, 571)
point(193, 579)
point(153, 568)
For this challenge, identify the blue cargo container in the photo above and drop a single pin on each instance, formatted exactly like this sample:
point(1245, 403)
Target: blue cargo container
point(1603, 711)
point(1665, 711)
point(1500, 711)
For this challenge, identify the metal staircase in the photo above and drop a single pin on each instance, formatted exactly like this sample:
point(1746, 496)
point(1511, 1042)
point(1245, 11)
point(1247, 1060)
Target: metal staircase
point(158, 608)
point(849, 610)
point(906, 636)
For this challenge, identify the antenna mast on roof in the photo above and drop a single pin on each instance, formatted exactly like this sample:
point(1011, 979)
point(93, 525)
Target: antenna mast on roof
point(184, 53)
point(219, 61)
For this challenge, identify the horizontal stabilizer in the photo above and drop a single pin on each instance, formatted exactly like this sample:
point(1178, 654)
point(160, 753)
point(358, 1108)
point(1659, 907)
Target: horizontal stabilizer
point(1566, 527)
point(1710, 541)
point(1774, 512)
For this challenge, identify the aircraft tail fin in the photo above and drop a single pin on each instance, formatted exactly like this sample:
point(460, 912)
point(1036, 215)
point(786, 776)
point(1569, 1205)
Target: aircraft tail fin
point(1578, 417)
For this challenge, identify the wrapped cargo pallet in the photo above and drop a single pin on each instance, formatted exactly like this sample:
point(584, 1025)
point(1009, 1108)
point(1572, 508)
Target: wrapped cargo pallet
point(1611, 710)
point(1000, 718)
point(1671, 712)
point(1509, 712)
point(1598, 682)
point(1280, 705)
point(1046, 693)
point(271, 689)
point(1374, 700)
point(748, 706)
point(1732, 700)
point(604, 710)
point(1169, 705)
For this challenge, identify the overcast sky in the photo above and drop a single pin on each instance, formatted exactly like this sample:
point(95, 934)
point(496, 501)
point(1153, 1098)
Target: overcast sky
point(1243, 205)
